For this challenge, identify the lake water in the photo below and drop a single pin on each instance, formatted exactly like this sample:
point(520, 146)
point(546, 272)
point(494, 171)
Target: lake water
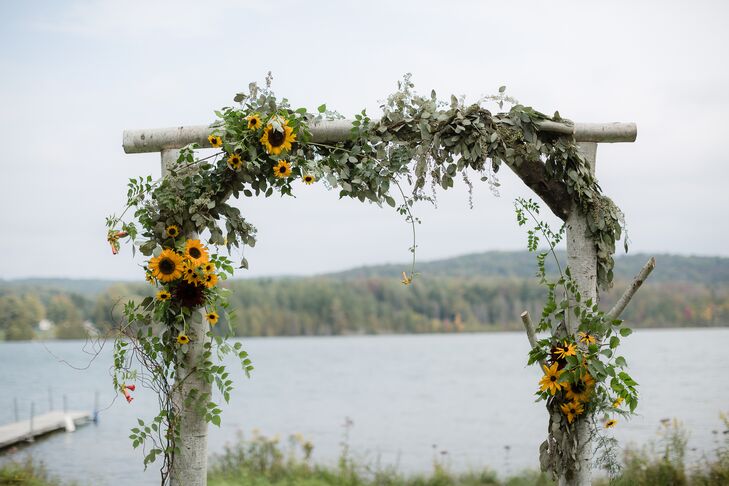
point(470, 395)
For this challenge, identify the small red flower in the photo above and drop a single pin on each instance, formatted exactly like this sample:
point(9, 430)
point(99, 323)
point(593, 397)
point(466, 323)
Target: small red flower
point(125, 390)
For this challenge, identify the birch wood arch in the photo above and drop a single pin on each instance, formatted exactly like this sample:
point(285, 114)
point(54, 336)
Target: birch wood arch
point(552, 156)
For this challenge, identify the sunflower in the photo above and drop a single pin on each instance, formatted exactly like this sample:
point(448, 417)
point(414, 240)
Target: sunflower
point(254, 121)
point(309, 179)
point(163, 295)
point(215, 141)
point(189, 274)
point(212, 318)
point(277, 139)
point(149, 278)
point(173, 231)
point(610, 423)
point(550, 381)
point(182, 339)
point(208, 267)
point(189, 295)
point(580, 391)
point(196, 252)
point(234, 162)
point(617, 402)
point(210, 279)
point(572, 410)
point(282, 169)
point(587, 338)
point(167, 266)
point(569, 349)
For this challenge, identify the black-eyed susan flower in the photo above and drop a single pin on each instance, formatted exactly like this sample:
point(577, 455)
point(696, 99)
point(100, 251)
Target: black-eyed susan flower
point(610, 423)
point(167, 266)
point(210, 280)
point(550, 381)
point(212, 318)
point(195, 252)
point(617, 402)
point(572, 410)
point(580, 391)
point(149, 278)
point(282, 169)
point(308, 179)
point(182, 338)
point(163, 295)
point(587, 338)
point(278, 137)
point(173, 231)
point(215, 141)
point(568, 349)
point(234, 162)
point(254, 121)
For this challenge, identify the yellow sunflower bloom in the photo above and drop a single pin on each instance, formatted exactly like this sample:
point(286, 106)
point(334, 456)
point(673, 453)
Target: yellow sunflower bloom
point(189, 274)
point(196, 252)
point(572, 410)
point(282, 169)
point(149, 278)
point(278, 139)
point(234, 162)
point(569, 349)
point(163, 295)
point(210, 280)
point(208, 267)
point(617, 402)
point(309, 179)
point(580, 391)
point(550, 381)
point(254, 121)
point(587, 338)
point(173, 231)
point(610, 423)
point(167, 266)
point(215, 141)
point(182, 339)
point(212, 318)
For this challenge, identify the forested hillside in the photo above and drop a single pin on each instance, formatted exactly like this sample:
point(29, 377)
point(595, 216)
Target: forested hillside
point(471, 293)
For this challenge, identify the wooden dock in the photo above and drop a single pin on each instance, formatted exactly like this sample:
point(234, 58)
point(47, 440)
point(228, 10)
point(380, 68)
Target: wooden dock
point(24, 431)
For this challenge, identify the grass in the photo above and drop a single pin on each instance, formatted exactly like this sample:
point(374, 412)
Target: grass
point(262, 461)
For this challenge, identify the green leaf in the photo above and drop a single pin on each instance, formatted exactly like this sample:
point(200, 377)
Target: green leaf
point(626, 331)
point(322, 108)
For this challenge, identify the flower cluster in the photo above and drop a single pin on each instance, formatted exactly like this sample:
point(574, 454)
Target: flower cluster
point(246, 132)
point(185, 276)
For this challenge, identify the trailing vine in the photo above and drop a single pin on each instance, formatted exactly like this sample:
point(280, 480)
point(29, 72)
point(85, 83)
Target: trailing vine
point(264, 146)
point(584, 377)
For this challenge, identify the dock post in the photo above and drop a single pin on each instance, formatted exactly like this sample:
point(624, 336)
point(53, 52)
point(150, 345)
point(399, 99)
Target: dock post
point(32, 416)
point(96, 407)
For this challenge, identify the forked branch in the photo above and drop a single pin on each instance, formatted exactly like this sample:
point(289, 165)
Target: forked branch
point(531, 333)
point(624, 299)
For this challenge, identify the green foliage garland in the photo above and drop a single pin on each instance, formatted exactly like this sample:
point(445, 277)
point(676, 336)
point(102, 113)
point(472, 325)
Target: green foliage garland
point(265, 147)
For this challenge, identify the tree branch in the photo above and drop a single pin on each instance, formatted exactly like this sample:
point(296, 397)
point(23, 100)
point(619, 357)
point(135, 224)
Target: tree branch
point(531, 334)
point(624, 299)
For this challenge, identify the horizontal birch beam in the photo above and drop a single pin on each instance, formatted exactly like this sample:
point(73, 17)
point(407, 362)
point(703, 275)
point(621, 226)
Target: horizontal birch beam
point(158, 139)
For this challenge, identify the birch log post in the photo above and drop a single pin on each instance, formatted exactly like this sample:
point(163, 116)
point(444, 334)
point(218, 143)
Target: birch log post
point(190, 466)
point(582, 261)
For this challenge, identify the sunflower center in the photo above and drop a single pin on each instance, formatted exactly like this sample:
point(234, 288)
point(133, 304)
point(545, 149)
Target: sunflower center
point(282, 169)
point(552, 378)
point(195, 253)
point(276, 138)
point(167, 266)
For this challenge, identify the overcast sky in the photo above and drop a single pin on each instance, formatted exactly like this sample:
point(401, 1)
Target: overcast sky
point(75, 74)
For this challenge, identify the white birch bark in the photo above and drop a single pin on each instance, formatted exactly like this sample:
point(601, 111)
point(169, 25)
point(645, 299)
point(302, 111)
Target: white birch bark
point(190, 464)
point(582, 261)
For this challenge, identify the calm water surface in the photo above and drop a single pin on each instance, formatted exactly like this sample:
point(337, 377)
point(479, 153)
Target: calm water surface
point(470, 395)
